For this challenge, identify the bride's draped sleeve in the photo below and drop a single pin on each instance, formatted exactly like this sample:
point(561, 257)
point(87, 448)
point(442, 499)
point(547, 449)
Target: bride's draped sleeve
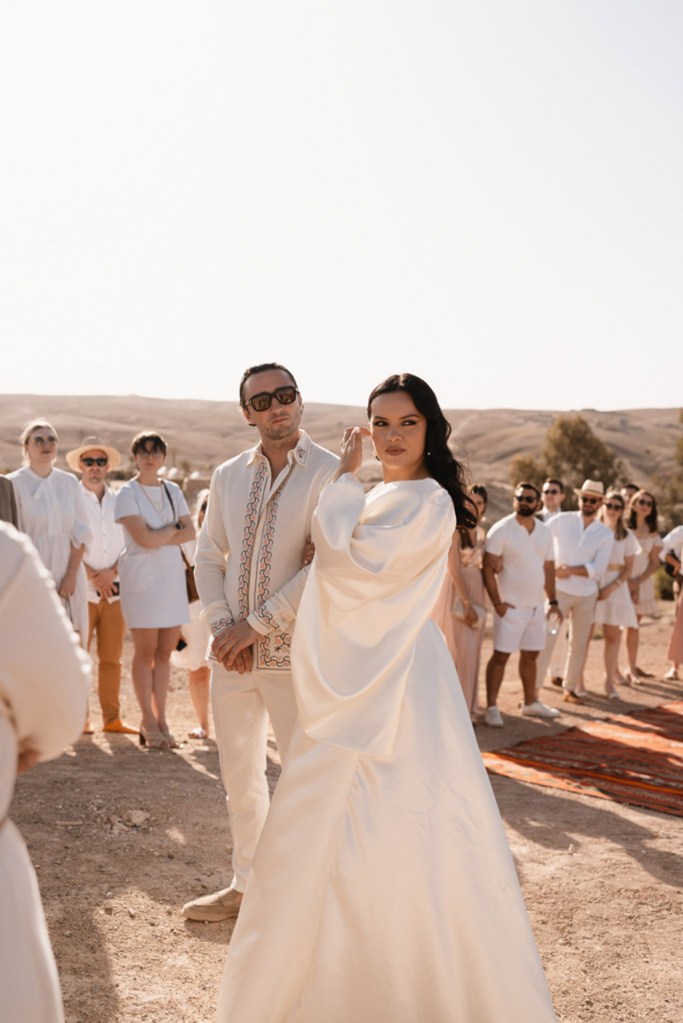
point(377, 573)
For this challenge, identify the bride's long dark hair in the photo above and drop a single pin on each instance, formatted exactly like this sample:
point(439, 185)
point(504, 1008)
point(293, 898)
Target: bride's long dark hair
point(439, 460)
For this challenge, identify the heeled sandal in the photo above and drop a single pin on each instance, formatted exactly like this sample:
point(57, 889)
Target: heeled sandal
point(171, 741)
point(152, 738)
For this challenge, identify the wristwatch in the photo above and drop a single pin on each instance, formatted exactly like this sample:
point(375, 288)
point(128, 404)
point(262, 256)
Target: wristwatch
point(178, 525)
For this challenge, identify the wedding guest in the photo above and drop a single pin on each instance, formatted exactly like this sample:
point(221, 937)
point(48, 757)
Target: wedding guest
point(582, 547)
point(383, 887)
point(93, 460)
point(642, 522)
point(552, 496)
point(250, 579)
point(523, 546)
point(614, 610)
point(192, 652)
point(156, 521)
point(43, 691)
point(52, 512)
point(460, 611)
point(672, 554)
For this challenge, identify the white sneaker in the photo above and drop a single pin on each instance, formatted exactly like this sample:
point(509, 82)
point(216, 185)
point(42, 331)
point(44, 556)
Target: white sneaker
point(493, 718)
point(539, 710)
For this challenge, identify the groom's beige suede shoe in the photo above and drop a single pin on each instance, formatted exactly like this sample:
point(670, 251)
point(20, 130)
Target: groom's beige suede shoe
point(223, 905)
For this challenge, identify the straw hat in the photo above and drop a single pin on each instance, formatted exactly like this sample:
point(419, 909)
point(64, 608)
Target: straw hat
point(92, 444)
point(594, 487)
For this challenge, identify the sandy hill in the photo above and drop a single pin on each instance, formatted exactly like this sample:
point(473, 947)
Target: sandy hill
point(200, 434)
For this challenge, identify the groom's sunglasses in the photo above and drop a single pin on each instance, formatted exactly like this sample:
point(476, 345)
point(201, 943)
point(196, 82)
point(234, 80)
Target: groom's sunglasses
point(262, 402)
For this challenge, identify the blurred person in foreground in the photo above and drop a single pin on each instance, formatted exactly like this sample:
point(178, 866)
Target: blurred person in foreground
point(192, 650)
point(93, 460)
point(460, 611)
point(250, 579)
point(52, 512)
point(156, 521)
point(43, 690)
point(383, 888)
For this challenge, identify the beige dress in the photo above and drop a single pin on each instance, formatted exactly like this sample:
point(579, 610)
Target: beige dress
point(43, 691)
point(463, 641)
point(646, 604)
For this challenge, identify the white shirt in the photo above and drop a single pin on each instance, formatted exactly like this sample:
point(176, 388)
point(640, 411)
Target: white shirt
point(521, 581)
point(673, 542)
point(107, 542)
point(575, 545)
point(251, 544)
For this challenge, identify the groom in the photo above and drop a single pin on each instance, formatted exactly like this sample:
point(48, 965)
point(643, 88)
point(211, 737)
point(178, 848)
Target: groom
point(250, 579)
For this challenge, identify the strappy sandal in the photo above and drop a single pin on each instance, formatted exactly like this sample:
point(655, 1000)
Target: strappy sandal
point(152, 738)
point(198, 733)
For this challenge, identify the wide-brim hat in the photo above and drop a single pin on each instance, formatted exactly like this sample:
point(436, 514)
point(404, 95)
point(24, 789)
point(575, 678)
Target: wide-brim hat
point(594, 487)
point(92, 444)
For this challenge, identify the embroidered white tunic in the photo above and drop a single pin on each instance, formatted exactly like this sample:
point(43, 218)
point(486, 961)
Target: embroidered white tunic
point(250, 548)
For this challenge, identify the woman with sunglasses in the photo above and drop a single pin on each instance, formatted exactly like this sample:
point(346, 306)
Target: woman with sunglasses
point(156, 521)
point(52, 512)
point(614, 610)
point(642, 522)
point(460, 611)
point(383, 887)
point(194, 640)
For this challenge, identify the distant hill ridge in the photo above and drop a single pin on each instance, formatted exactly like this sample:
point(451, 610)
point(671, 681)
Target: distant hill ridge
point(202, 434)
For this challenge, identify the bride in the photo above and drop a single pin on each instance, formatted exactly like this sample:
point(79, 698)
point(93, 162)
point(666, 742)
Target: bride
point(383, 886)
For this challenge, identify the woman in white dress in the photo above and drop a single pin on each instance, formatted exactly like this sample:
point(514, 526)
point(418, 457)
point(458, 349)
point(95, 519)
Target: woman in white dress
point(43, 692)
point(383, 887)
point(642, 522)
point(156, 521)
point(191, 653)
point(614, 610)
point(52, 512)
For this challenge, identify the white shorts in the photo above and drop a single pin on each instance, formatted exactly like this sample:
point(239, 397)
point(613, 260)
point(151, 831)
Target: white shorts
point(521, 628)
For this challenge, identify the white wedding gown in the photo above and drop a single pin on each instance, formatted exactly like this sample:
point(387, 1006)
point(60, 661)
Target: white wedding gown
point(383, 889)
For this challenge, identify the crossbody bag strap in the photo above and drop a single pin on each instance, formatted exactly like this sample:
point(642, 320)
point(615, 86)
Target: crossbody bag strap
point(182, 552)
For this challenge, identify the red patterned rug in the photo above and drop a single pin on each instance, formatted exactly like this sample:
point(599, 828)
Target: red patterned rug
point(632, 758)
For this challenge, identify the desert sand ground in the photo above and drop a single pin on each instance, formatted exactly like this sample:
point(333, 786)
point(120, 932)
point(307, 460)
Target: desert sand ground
point(121, 838)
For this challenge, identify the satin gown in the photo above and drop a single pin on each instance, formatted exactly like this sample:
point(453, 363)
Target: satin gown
point(383, 888)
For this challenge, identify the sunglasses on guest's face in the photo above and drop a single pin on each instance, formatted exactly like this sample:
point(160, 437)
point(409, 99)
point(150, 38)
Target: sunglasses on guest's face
point(261, 402)
point(589, 500)
point(44, 441)
point(644, 502)
point(94, 461)
point(547, 490)
point(527, 498)
point(614, 507)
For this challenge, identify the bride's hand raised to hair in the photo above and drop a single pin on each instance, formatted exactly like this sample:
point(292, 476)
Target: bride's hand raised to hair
point(351, 457)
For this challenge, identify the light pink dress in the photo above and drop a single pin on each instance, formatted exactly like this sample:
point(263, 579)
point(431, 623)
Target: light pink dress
point(463, 641)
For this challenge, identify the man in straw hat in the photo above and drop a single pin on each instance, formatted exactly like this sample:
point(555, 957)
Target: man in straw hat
point(582, 548)
point(93, 460)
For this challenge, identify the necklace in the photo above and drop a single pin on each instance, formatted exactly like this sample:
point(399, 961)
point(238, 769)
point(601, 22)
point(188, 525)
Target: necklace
point(147, 491)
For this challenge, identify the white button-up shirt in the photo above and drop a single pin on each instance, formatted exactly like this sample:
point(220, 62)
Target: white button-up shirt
point(575, 545)
point(107, 543)
point(251, 544)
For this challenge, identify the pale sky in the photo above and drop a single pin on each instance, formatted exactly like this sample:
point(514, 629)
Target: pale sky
point(487, 194)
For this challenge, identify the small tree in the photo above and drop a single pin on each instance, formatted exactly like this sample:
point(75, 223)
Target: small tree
point(572, 453)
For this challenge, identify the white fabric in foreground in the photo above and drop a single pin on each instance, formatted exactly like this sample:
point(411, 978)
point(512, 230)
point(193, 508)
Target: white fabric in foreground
point(383, 888)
